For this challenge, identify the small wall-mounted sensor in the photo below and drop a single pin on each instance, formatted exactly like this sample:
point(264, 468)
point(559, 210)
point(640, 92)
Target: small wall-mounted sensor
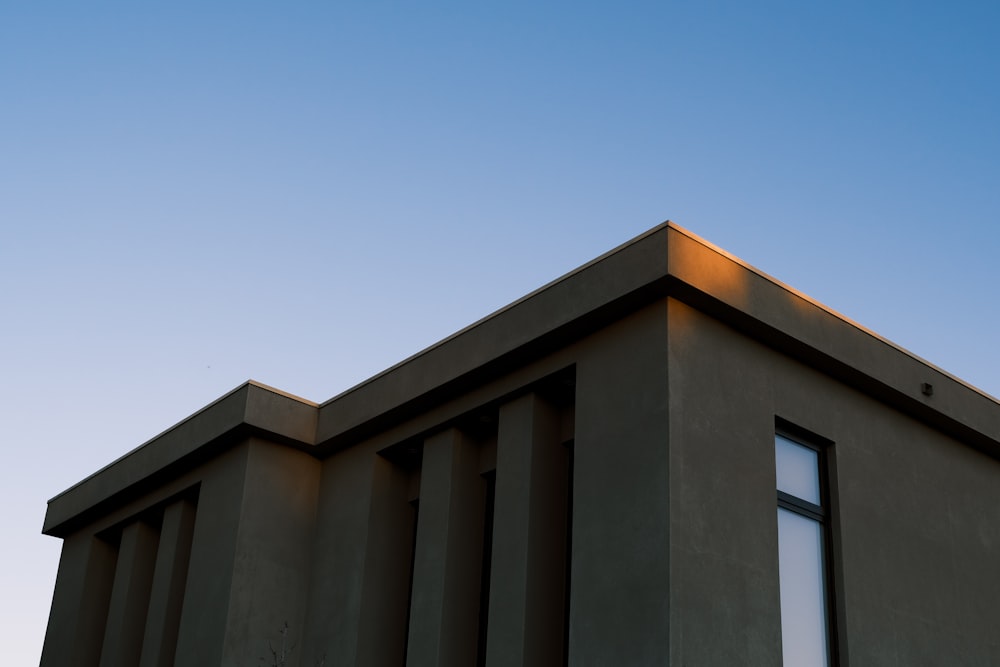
point(926, 388)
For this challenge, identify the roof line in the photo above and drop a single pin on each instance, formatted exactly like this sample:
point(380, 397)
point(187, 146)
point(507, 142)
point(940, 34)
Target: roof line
point(805, 297)
point(499, 311)
point(193, 415)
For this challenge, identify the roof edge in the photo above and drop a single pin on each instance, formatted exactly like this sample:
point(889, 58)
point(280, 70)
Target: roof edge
point(667, 260)
point(835, 313)
point(252, 404)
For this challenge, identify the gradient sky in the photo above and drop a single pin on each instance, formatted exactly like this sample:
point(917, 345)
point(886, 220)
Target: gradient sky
point(194, 194)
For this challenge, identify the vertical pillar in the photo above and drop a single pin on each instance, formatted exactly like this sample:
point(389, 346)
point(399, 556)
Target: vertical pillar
point(80, 602)
point(130, 596)
point(339, 555)
point(250, 561)
point(363, 549)
point(444, 613)
point(202, 631)
point(272, 560)
point(167, 595)
point(388, 558)
point(619, 605)
point(527, 593)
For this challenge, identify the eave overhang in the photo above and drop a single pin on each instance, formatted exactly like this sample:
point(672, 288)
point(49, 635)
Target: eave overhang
point(666, 261)
point(250, 409)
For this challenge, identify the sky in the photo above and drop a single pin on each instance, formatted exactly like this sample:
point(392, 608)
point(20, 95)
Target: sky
point(304, 193)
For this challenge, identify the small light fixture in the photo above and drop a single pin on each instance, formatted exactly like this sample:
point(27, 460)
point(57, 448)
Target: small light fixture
point(926, 388)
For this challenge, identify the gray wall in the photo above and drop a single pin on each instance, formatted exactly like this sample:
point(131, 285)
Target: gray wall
point(916, 513)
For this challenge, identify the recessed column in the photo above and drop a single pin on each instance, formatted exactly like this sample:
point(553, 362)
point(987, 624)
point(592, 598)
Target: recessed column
point(80, 602)
point(210, 568)
point(388, 560)
point(444, 613)
point(527, 593)
point(167, 595)
point(363, 552)
point(130, 596)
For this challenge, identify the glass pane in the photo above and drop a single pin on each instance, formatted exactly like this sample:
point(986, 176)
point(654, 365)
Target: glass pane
point(798, 469)
point(803, 591)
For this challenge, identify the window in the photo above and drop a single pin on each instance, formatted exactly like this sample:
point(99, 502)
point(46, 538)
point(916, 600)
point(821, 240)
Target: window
point(803, 560)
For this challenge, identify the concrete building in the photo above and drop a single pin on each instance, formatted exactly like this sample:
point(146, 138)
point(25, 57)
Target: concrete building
point(663, 458)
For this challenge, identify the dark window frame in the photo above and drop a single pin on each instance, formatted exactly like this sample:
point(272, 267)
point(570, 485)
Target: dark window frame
point(823, 515)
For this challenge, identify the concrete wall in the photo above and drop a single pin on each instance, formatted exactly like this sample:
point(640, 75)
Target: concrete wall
point(271, 564)
point(362, 556)
point(620, 595)
point(916, 514)
point(202, 570)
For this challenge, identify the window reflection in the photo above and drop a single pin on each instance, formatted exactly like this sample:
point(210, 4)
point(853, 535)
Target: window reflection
point(801, 555)
point(798, 469)
point(803, 603)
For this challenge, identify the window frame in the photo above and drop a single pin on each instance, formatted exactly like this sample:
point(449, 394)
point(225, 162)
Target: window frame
point(823, 515)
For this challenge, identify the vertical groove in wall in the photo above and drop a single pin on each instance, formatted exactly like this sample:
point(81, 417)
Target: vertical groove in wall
point(91, 613)
point(169, 577)
point(388, 561)
point(129, 603)
point(527, 612)
point(484, 577)
point(568, 561)
point(409, 586)
point(447, 563)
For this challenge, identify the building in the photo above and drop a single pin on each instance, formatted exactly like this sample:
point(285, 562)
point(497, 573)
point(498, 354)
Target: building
point(663, 458)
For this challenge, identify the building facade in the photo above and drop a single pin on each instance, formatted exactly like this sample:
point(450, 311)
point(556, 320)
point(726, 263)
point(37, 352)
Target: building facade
point(663, 458)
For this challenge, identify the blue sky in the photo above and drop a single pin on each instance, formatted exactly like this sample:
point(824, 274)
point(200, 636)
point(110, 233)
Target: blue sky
point(194, 194)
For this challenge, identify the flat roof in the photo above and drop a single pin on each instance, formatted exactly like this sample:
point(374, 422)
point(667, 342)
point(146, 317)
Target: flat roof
point(666, 261)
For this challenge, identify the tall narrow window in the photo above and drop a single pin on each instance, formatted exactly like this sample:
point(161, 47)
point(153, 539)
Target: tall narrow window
point(802, 553)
